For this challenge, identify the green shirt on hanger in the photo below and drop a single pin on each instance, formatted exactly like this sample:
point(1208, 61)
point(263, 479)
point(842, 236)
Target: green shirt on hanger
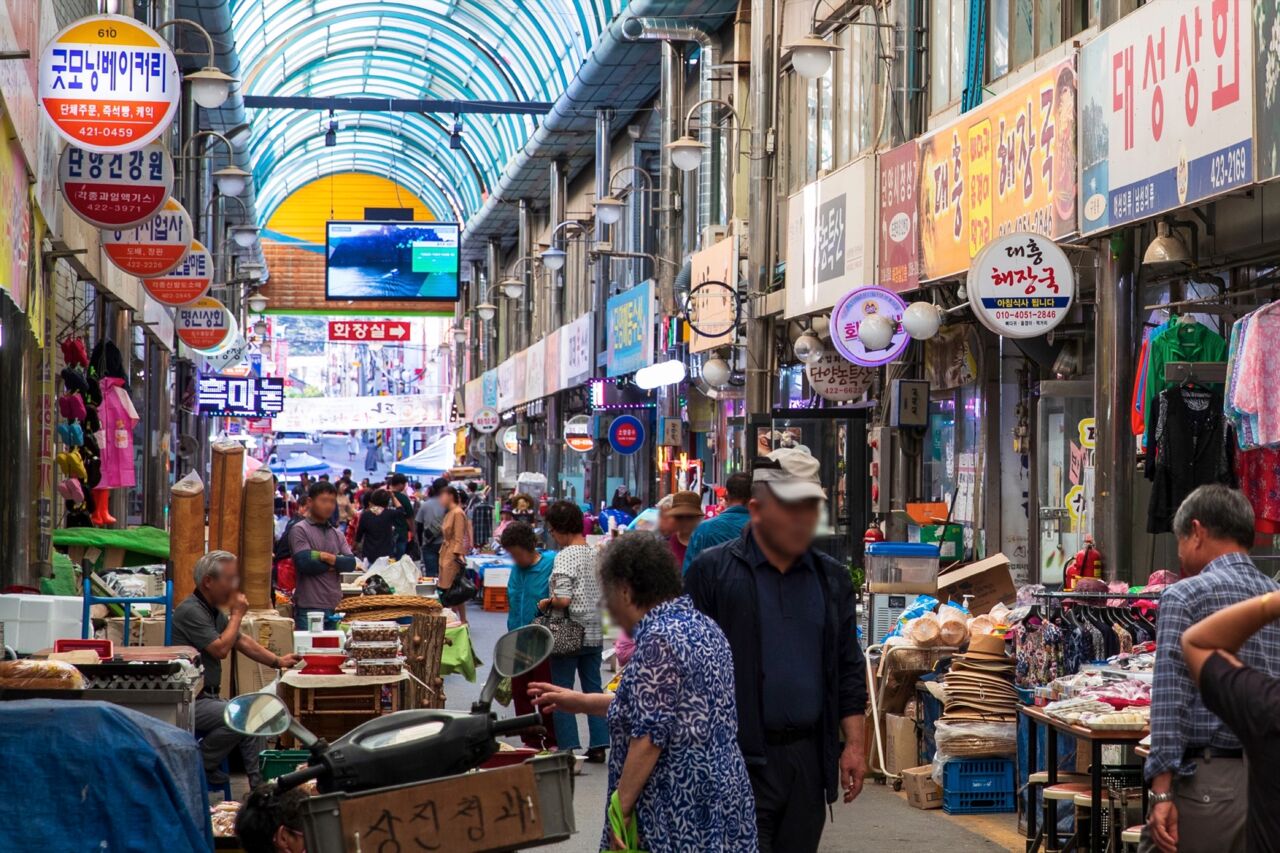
point(1189, 340)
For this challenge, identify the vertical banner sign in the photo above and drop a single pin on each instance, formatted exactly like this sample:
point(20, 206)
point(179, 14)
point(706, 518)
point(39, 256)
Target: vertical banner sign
point(153, 247)
point(186, 282)
point(521, 361)
point(899, 219)
point(854, 307)
point(575, 351)
point(535, 366)
point(830, 238)
point(551, 362)
point(473, 397)
point(204, 324)
point(1266, 86)
point(117, 190)
point(15, 236)
point(1008, 165)
point(1167, 110)
point(717, 263)
point(489, 386)
point(1021, 285)
point(630, 327)
point(108, 83)
point(507, 384)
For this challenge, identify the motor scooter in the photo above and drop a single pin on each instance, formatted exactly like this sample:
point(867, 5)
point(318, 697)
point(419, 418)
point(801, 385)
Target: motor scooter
point(407, 747)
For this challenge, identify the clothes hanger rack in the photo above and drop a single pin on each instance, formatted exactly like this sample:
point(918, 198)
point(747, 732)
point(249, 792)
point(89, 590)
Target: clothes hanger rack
point(1195, 371)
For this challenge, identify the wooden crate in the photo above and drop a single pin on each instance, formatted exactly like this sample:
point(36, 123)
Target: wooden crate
point(331, 712)
point(495, 599)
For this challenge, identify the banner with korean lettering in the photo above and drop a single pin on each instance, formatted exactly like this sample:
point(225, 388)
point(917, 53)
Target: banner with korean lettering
point(507, 384)
point(316, 414)
point(241, 396)
point(1266, 86)
point(630, 329)
point(521, 361)
point(551, 360)
point(535, 367)
point(1008, 165)
point(830, 238)
point(473, 396)
point(899, 219)
point(576, 351)
point(490, 380)
point(1166, 110)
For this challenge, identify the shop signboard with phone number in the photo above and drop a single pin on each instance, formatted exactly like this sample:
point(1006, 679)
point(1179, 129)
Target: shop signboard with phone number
point(204, 324)
point(117, 190)
point(1021, 285)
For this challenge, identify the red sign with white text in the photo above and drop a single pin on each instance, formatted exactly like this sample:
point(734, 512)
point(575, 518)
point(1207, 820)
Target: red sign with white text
point(368, 331)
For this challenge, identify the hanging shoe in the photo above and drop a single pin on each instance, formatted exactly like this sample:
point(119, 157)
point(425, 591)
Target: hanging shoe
point(101, 500)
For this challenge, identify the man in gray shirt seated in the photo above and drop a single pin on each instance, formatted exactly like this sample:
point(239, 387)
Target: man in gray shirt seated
point(200, 622)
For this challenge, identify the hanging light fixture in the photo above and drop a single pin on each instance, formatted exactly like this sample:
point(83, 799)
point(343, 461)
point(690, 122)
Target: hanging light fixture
point(811, 56)
point(1167, 249)
point(553, 258)
point(231, 180)
point(609, 209)
point(260, 329)
point(686, 153)
point(210, 86)
point(716, 372)
point(875, 332)
point(257, 303)
point(244, 235)
point(486, 311)
point(922, 320)
point(459, 335)
point(455, 138)
point(513, 288)
point(808, 348)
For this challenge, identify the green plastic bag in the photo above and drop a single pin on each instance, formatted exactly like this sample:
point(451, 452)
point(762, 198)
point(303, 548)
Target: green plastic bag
point(624, 829)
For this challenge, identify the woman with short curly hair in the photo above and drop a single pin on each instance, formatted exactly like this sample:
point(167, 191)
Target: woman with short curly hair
point(674, 761)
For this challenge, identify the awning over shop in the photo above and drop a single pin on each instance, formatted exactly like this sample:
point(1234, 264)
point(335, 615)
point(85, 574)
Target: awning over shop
point(432, 461)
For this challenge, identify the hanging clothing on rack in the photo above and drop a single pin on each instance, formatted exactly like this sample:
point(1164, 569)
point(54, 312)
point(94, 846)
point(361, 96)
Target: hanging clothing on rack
point(1185, 340)
point(1189, 444)
point(1255, 391)
point(1138, 410)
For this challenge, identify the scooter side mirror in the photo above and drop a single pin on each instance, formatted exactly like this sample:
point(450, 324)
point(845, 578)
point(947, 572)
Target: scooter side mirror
point(264, 715)
point(520, 651)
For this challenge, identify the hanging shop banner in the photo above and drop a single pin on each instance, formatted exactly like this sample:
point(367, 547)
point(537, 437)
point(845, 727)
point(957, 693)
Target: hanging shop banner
point(233, 353)
point(535, 368)
point(855, 307)
point(1021, 285)
point(577, 433)
point(15, 235)
point(715, 308)
point(899, 219)
point(473, 396)
point(368, 331)
point(551, 364)
point(154, 247)
point(830, 238)
point(108, 83)
point(630, 329)
point(204, 324)
point(835, 378)
point(518, 385)
point(186, 282)
point(486, 420)
point(1266, 98)
point(118, 190)
point(490, 387)
point(511, 439)
point(317, 414)
point(575, 351)
point(241, 396)
point(1008, 165)
point(626, 434)
point(1167, 110)
point(507, 384)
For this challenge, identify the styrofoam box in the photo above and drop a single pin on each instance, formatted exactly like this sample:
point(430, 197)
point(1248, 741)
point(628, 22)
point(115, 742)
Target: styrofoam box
point(11, 606)
point(31, 637)
point(44, 608)
point(497, 577)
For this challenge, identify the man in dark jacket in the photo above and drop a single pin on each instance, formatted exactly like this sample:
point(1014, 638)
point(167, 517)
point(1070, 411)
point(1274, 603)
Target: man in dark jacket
point(788, 612)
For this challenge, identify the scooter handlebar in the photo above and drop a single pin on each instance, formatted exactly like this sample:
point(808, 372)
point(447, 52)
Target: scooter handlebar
point(516, 724)
point(289, 781)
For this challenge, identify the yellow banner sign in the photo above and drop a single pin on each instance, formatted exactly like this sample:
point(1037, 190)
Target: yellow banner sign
point(1008, 165)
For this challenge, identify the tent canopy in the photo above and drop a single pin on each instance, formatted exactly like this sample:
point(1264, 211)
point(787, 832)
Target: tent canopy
point(431, 461)
point(300, 463)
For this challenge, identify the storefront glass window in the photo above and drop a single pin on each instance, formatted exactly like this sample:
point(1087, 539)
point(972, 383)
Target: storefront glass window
point(1065, 476)
point(952, 460)
point(573, 475)
point(949, 40)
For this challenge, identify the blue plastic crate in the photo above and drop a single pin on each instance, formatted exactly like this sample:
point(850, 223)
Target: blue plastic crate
point(978, 776)
point(958, 802)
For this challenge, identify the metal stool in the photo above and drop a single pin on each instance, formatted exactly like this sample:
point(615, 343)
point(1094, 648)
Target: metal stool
point(1131, 836)
point(1054, 794)
point(1042, 778)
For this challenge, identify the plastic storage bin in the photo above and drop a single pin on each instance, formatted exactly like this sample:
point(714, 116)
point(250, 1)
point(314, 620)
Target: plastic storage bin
point(978, 775)
point(958, 802)
point(904, 567)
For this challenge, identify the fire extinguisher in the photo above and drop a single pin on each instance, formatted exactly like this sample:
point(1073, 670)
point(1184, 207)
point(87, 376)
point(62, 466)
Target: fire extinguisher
point(1087, 563)
point(873, 534)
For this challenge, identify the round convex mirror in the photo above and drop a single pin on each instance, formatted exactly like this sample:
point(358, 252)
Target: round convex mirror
point(519, 651)
point(258, 715)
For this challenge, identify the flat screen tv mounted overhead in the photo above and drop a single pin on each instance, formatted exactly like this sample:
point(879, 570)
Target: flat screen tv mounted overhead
point(393, 261)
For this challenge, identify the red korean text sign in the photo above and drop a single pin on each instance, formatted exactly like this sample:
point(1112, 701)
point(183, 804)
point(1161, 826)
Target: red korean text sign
point(186, 282)
point(1021, 285)
point(367, 331)
point(151, 248)
point(117, 190)
point(204, 324)
point(108, 83)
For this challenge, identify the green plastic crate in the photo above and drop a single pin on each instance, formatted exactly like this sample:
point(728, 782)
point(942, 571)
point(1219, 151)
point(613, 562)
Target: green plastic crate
point(277, 762)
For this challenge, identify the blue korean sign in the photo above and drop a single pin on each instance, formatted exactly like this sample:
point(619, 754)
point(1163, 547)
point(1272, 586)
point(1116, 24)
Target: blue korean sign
point(241, 396)
point(626, 434)
point(630, 329)
point(489, 385)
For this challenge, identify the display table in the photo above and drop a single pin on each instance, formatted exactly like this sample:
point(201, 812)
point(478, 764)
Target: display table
point(458, 655)
point(1095, 740)
point(332, 705)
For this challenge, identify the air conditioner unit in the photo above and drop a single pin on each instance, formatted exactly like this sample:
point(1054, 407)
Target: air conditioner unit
point(713, 234)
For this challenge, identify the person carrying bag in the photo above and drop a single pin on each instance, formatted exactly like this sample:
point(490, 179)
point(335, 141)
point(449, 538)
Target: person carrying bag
point(566, 634)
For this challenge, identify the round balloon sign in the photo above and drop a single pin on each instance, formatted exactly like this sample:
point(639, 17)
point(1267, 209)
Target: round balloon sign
point(577, 433)
point(108, 83)
point(1021, 285)
point(153, 247)
point(116, 190)
point(835, 378)
point(855, 307)
point(486, 420)
point(626, 434)
point(186, 282)
point(204, 324)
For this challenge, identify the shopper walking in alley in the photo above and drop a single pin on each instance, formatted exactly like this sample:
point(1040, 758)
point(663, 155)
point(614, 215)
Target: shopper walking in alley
point(726, 526)
point(455, 542)
point(429, 519)
point(685, 513)
point(787, 610)
point(575, 590)
point(529, 584)
point(376, 532)
point(1196, 768)
point(320, 555)
point(201, 623)
point(675, 764)
point(396, 484)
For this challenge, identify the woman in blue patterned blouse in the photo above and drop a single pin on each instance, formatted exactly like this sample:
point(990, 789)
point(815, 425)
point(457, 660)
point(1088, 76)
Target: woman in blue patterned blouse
point(674, 762)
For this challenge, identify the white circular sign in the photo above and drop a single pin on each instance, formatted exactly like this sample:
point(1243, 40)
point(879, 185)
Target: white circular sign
point(109, 83)
point(837, 379)
point(117, 190)
point(486, 420)
point(204, 325)
point(1021, 285)
point(511, 439)
point(853, 309)
point(577, 433)
point(152, 247)
point(186, 282)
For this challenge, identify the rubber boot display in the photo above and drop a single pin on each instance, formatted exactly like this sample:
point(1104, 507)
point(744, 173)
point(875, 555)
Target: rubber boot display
point(101, 500)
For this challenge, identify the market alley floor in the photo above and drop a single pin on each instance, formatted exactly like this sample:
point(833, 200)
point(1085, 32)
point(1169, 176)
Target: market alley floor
point(879, 820)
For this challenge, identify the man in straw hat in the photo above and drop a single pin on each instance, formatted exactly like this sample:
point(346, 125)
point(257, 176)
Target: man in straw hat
point(769, 589)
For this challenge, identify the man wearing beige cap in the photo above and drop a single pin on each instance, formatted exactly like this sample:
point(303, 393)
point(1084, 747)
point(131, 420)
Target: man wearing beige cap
point(787, 610)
